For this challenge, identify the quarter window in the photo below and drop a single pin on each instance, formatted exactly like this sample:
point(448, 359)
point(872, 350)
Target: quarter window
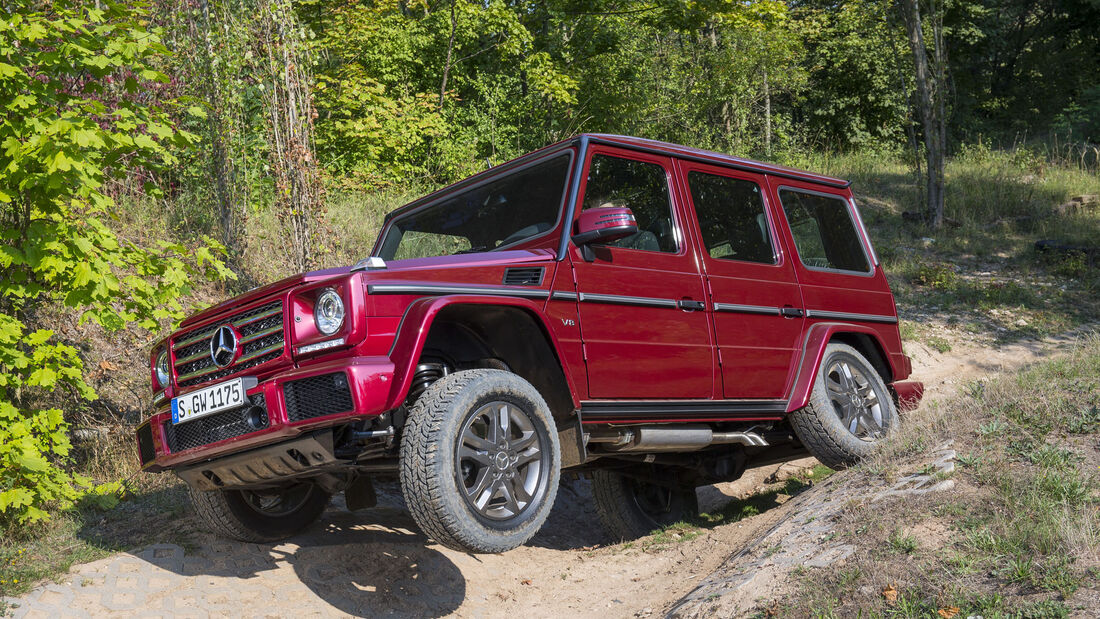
point(731, 218)
point(640, 186)
point(824, 233)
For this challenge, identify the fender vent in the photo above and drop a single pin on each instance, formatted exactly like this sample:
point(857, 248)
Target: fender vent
point(523, 276)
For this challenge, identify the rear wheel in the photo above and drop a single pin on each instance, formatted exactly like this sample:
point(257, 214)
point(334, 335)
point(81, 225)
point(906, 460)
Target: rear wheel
point(480, 460)
point(260, 515)
point(630, 507)
point(850, 410)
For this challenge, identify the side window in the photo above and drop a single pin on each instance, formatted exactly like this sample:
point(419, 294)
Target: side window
point(731, 218)
point(640, 186)
point(824, 233)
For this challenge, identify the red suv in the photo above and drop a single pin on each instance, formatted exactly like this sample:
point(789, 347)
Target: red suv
point(655, 316)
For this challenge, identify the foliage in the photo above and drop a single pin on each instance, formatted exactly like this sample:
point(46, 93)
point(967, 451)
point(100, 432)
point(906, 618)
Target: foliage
point(74, 84)
point(857, 92)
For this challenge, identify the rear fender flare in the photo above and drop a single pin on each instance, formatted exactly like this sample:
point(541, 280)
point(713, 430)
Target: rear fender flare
point(813, 350)
point(412, 334)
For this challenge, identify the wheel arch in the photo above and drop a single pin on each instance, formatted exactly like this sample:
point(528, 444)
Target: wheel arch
point(864, 339)
point(513, 330)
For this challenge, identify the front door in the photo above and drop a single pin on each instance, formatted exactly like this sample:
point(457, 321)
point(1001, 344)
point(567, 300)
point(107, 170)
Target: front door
point(758, 309)
point(641, 299)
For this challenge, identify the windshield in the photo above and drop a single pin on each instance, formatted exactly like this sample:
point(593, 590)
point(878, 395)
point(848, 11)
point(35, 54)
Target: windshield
point(513, 208)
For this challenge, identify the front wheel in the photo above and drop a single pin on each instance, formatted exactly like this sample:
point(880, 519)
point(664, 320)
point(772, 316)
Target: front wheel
point(850, 410)
point(631, 507)
point(260, 515)
point(480, 461)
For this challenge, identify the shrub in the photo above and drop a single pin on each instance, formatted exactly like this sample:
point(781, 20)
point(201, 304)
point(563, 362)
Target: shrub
point(73, 84)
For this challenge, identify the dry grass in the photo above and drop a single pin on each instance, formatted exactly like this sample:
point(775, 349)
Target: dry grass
point(1020, 533)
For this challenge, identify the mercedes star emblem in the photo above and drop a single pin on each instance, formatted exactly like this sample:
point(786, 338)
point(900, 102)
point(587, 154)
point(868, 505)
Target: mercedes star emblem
point(223, 346)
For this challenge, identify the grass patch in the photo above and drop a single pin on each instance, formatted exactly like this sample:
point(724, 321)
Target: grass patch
point(1020, 536)
point(981, 271)
point(761, 502)
point(676, 533)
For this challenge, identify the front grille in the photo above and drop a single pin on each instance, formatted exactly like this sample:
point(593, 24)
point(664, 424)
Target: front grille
point(317, 396)
point(261, 340)
point(217, 427)
point(146, 452)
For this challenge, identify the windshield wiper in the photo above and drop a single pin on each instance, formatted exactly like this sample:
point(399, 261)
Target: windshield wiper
point(472, 250)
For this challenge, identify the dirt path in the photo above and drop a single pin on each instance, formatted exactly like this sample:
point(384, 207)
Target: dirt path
point(376, 563)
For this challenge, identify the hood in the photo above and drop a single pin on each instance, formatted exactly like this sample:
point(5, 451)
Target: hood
point(263, 291)
point(406, 268)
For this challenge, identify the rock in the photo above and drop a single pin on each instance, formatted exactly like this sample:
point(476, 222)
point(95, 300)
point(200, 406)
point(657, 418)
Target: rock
point(1077, 203)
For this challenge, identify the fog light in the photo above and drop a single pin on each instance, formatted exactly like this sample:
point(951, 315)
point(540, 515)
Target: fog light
point(256, 418)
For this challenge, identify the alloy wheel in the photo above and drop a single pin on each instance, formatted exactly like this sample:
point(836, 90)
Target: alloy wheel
point(500, 461)
point(855, 400)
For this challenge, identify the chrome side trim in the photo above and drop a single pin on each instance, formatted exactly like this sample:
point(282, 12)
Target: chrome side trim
point(616, 299)
point(851, 316)
point(747, 309)
point(444, 289)
point(561, 295)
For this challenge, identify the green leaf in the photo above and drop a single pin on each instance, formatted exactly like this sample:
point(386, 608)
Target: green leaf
point(31, 461)
point(14, 498)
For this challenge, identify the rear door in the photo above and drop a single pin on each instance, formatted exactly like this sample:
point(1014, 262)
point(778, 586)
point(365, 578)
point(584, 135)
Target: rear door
point(757, 304)
point(838, 273)
point(641, 299)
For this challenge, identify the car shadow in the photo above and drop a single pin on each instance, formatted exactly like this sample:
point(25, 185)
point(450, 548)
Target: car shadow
point(370, 562)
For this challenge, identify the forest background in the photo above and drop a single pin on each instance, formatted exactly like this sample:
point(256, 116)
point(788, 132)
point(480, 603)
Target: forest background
point(158, 156)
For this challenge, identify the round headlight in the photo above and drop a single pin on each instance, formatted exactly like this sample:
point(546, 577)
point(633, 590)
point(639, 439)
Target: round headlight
point(162, 369)
point(328, 313)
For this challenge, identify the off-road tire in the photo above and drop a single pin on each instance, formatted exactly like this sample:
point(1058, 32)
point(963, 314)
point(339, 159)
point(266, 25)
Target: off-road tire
point(229, 513)
point(430, 478)
point(818, 424)
point(621, 512)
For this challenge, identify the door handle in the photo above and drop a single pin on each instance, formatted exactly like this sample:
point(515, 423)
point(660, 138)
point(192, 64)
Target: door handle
point(691, 305)
point(790, 312)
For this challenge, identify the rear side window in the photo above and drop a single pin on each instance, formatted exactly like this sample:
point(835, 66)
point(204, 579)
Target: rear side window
point(731, 218)
point(824, 233)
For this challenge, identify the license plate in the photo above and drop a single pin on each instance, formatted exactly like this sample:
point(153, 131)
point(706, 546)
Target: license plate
point(208, 401)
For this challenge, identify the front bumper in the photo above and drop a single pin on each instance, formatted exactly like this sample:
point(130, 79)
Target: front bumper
point(293, 402)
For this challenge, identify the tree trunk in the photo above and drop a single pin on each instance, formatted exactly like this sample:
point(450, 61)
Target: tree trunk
point(725, 112)
point(450, 53)
point(930, 99)
point(291, 114)
point(767, 115)
point(221, 164)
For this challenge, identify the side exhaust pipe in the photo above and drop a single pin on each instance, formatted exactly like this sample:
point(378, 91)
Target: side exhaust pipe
point(653, 439)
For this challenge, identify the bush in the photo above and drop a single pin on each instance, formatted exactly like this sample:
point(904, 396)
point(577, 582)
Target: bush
point(73, 84)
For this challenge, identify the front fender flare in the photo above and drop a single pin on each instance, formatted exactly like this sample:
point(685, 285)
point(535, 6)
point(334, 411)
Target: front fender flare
point(415, 325)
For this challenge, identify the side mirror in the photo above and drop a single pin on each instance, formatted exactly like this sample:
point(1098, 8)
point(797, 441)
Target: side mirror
point(604, 225)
